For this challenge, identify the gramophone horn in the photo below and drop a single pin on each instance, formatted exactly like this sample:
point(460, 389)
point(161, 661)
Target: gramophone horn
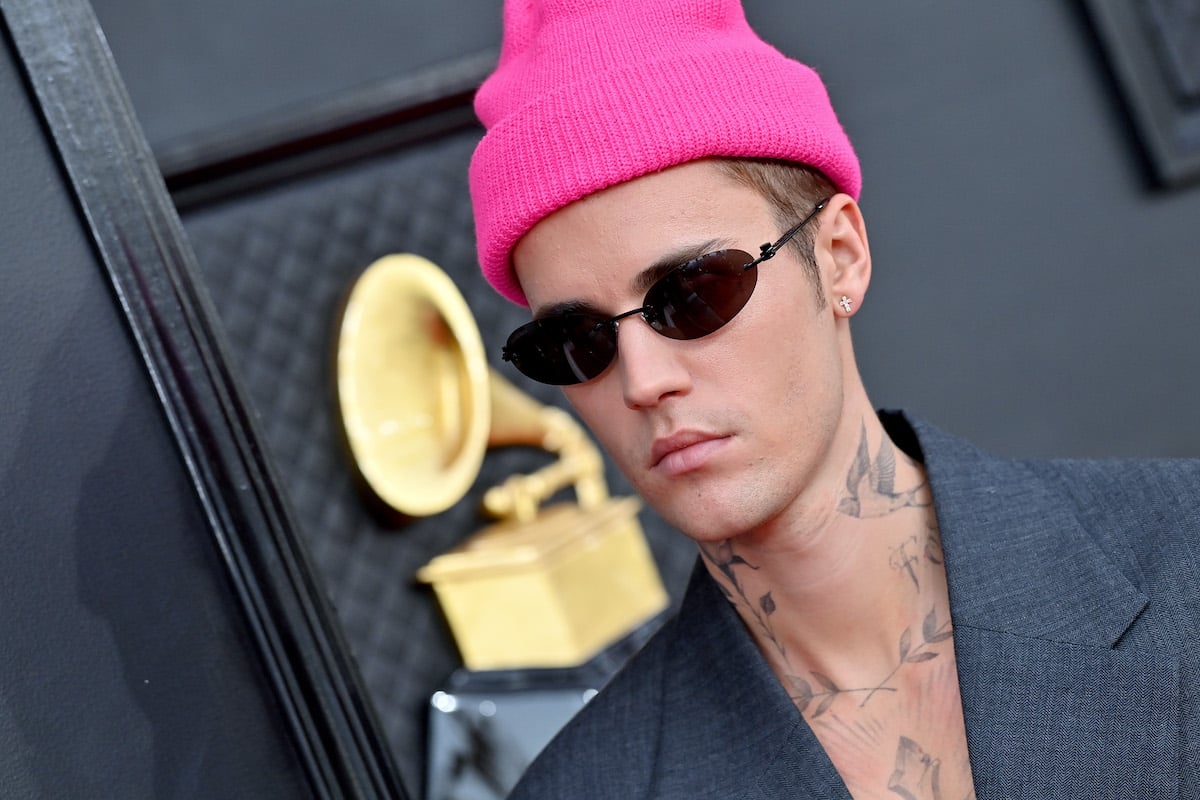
point(412, 384)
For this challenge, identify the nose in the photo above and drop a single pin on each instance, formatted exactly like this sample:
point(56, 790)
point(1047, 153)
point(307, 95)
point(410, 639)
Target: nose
point(649, 365)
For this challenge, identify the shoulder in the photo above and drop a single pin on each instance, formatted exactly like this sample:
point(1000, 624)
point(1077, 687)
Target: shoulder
point(1141, 515)
point(1139, 503)
point(1142, 502)
point(608, 748)
point(1145, 513)
point(1153, 480)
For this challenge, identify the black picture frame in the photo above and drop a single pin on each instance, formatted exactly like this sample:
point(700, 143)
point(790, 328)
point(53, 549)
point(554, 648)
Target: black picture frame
point(288, 144)
point(129, 217)
point(1154, 84)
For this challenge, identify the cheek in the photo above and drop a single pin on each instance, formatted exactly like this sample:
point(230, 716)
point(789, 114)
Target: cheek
point(599, 410)
point(783, 361)
point(757, 355)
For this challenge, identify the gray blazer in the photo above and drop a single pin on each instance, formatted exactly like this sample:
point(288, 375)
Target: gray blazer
point(1075, 596)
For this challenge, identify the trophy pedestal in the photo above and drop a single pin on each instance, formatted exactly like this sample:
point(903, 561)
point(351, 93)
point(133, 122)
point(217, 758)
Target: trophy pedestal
point(485, 728)
point(550, 592)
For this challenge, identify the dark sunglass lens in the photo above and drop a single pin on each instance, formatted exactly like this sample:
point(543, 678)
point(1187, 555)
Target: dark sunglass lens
point(700, 296)
point(563, 350)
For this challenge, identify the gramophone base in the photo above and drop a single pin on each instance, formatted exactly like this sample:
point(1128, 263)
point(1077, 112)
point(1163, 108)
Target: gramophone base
point(552, 592)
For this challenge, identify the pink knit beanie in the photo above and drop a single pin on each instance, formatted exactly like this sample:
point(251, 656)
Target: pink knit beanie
point(592, 93)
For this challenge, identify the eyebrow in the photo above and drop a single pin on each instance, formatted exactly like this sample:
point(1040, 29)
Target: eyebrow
point(644, 279)
point(653, 273)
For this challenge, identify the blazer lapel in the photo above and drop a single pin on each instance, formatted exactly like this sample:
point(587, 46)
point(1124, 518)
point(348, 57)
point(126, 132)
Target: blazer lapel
point(1051, 708)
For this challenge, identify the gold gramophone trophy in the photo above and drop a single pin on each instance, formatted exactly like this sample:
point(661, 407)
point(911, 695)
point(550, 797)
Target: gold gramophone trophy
point(546, 585)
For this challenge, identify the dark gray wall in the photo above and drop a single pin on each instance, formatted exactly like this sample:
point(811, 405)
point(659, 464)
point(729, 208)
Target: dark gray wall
point(1031, 291)
point(210, 66)
point(126, 669)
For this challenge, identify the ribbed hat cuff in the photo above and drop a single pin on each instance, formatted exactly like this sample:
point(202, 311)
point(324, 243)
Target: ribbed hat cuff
point(584, 137)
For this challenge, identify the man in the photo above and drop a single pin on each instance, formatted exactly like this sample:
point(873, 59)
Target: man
point(879, 610)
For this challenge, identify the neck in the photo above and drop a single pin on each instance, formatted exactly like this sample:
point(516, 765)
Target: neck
point(839, 597)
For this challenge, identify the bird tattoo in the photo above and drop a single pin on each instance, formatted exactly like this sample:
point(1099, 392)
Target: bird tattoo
point(870, 485)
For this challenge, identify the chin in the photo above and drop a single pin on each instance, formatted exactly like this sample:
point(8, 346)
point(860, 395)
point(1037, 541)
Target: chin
point(715, 503)
point(704, 524)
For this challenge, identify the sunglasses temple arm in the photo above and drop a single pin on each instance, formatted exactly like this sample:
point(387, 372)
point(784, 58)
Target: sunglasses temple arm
point(768, 250)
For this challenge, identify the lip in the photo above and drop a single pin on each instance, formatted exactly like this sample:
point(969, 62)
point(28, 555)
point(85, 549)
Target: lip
point(683, 451)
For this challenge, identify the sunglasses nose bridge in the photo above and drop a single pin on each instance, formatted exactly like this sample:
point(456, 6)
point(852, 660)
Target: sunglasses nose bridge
point(644, 311)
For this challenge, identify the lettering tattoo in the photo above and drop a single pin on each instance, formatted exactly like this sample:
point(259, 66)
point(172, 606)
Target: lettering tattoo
point(871, 485)
point(906, 558)
point(917, 775)
point(933, 544)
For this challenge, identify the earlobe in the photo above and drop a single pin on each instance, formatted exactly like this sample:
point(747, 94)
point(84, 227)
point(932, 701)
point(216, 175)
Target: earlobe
point(844, 237)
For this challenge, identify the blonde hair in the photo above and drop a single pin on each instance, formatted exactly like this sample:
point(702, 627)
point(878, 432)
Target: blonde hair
point(792, 190)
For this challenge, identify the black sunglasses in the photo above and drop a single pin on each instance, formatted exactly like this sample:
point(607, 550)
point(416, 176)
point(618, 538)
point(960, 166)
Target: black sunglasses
point(692, 300)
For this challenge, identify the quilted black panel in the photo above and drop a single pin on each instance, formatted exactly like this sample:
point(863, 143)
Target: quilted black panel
point(277, 265)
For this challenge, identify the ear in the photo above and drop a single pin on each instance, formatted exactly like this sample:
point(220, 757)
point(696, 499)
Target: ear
point(846, 256)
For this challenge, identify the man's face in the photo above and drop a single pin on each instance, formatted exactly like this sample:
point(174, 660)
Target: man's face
point(721, 435)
